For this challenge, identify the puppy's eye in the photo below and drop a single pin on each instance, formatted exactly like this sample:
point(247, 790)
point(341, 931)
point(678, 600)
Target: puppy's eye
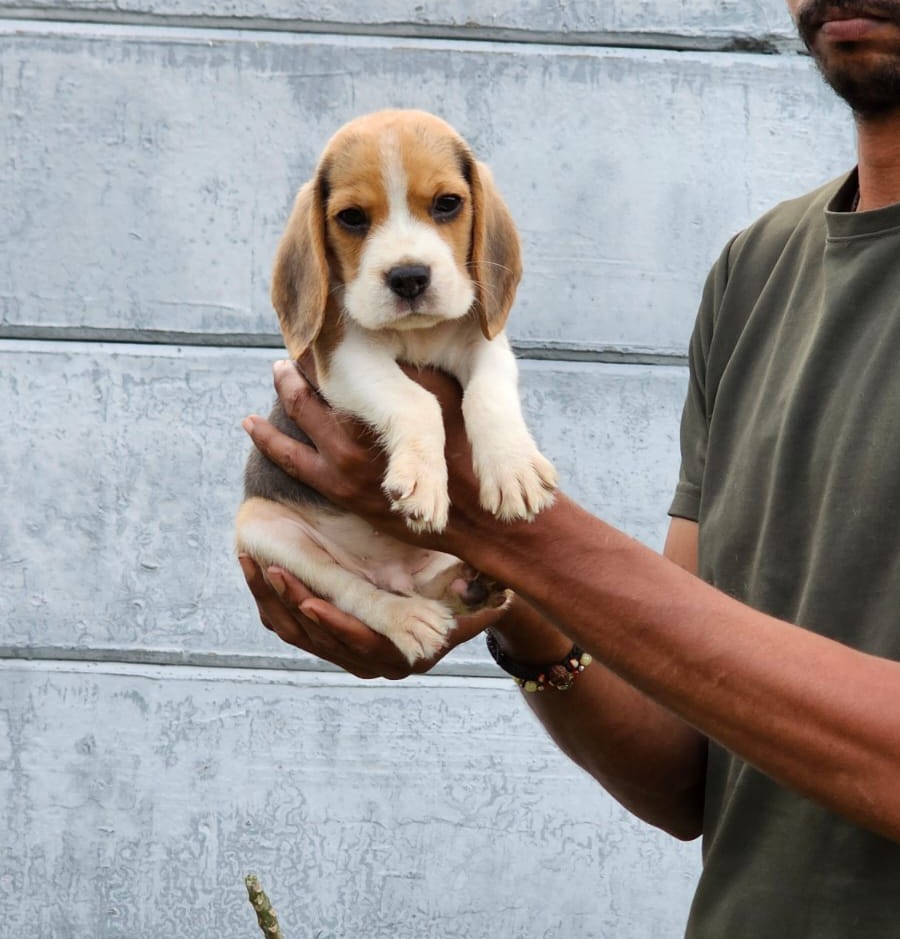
point(445, 208)
point(353, 219)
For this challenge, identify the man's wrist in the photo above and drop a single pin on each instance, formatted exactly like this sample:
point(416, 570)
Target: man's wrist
point(526, 636)
point(559, 675)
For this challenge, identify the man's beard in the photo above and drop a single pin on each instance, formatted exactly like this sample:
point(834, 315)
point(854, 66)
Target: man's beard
point(872, 95)
point(871, 88)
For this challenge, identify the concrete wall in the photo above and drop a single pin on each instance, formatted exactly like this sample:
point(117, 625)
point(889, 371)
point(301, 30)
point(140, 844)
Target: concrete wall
point(155, 742)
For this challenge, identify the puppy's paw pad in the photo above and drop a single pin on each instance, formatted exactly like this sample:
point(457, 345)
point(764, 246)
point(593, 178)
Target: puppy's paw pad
point(518, 488)
point(418, 491)
point(419, 627)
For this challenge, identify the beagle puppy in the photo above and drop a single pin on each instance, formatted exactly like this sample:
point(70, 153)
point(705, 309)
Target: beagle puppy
point(398, 249)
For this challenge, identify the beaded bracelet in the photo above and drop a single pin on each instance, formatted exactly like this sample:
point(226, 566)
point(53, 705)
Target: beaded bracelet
point(558, 675)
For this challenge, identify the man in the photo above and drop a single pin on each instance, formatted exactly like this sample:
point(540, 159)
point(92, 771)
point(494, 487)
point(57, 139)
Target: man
point(706, 710)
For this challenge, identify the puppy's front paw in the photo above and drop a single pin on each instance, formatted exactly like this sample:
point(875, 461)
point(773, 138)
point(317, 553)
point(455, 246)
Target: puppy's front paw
point(417, 489)
point(418, 627)
point(519, 486)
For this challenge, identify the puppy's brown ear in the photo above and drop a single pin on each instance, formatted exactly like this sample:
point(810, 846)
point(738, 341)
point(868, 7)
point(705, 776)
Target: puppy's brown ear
point(496, 259)
point(300, 275)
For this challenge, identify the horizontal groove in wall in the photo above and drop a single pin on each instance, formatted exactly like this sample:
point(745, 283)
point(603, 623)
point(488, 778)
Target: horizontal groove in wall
point(175, 658)
point(553, 351)
point(763, 44)
point(154, 337)
point(535, 350)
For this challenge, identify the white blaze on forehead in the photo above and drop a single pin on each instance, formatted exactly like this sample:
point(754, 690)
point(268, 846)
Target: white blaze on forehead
point(396, 182)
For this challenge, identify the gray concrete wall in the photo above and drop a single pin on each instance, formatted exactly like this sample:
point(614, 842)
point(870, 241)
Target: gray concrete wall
point(155, 742)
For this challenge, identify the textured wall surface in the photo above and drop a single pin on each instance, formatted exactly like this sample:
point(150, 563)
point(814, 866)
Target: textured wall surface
point(155, 742)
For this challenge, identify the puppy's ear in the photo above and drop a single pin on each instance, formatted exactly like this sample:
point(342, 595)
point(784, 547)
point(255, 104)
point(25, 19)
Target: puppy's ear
point(300, 277)
point(496, 258)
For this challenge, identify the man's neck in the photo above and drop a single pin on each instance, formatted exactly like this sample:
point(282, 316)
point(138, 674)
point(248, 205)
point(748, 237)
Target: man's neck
point(878, 142)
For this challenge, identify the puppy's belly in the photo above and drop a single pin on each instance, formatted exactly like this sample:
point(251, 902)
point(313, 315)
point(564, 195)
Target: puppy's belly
point(408, 594)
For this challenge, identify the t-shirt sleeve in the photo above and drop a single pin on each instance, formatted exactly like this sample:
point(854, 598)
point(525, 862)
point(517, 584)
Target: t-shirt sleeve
point(697, 406)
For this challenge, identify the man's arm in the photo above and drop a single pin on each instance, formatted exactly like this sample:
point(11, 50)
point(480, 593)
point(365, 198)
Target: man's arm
point(647, 759)
point(650, 761)
point(816, 716)
point(644, 756)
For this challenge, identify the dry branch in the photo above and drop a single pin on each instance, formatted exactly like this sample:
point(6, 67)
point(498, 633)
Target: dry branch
point(265, 915)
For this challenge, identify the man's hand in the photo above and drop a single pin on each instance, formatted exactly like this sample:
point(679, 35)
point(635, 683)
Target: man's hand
point(312, 624)
point(347, 466)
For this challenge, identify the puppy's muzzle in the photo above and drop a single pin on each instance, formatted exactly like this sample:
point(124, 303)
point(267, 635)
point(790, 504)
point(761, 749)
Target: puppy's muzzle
point(408, 281)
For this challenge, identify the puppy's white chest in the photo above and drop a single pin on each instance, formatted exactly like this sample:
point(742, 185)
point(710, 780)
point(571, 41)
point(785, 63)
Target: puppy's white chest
point(444, 345)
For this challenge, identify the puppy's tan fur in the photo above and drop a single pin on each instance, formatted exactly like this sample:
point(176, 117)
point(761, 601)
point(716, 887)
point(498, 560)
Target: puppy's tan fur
point(399, 249)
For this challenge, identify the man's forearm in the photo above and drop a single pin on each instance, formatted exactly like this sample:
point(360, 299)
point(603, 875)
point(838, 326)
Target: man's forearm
point(647, 759)
point(740, 677)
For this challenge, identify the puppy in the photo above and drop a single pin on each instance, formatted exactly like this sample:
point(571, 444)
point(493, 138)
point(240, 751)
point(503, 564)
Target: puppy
point(398, 249)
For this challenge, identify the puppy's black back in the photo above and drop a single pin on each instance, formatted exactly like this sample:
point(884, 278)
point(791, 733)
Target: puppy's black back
point(265, 479)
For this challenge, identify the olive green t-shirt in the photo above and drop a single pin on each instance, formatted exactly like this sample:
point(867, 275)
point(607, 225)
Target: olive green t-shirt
point(791, 465)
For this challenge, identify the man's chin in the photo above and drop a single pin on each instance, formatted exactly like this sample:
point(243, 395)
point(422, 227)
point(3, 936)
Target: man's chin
point(871, 87)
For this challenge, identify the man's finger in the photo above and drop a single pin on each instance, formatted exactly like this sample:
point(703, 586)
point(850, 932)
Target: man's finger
point(337, 636)
point(254, 577)
point(265, 587)
point(441, 384)
point(472, 624)
point(296, 458)
point(359, 642)
point(279, 596)
point(302, 402)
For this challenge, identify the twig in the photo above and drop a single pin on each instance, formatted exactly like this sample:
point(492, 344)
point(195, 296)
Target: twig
point(265, 915)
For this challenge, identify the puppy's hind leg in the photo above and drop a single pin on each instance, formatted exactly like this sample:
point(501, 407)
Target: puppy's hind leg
point(272, 533)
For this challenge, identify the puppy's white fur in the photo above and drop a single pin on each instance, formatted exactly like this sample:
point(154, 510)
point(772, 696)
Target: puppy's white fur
point(360, 328)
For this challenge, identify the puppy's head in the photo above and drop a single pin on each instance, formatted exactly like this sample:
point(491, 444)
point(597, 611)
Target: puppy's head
point(400, 228)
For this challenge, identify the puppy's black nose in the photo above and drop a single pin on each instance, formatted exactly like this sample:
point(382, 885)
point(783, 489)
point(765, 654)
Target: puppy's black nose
point(409, 280)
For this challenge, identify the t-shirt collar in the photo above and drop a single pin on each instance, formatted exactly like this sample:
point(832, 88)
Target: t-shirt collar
point(842, 222)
